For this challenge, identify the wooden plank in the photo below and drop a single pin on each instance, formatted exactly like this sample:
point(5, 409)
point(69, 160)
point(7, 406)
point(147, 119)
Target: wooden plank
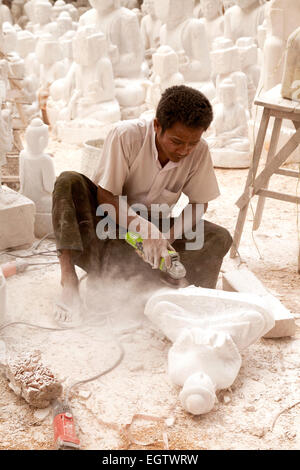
point(279, 196)
point(270, 168)
point(271, 153)
point(292, 173)
point(251, 175)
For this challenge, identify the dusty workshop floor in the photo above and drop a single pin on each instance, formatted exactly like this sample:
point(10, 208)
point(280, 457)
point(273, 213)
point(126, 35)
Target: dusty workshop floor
point(268, 381)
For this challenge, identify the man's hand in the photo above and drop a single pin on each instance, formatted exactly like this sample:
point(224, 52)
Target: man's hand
point(154, 250)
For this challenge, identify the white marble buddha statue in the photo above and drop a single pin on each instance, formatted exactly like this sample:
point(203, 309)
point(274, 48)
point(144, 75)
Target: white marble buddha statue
point(58, 7)
point(94, 94)
point(85, 100)
point(125, 48)
point(165, 74)
point(37, 175)
point(42, 10)
point(226, 63)
point(229, 144)
point(213, 19)
point(243, 19)
point(121, 28)
point(49, 54)
point(150, 29)
point(187, 36)
point(248, 52)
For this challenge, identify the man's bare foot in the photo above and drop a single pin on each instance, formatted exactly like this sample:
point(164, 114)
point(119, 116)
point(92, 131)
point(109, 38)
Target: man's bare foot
point(69, 308)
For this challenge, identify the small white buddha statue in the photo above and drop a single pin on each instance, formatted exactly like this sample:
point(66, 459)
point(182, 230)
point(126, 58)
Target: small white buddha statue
point(213, 19)
point(49, 54)
point(243, 19)
point(150, 30)
point(165, 74)
point(187, 37)
point(229, 144)
point(37, 175)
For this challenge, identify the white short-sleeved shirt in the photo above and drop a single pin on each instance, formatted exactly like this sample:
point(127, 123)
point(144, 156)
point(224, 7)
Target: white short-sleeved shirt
point(129, 165)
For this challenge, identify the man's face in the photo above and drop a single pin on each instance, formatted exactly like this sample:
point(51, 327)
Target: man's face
point(177, 142)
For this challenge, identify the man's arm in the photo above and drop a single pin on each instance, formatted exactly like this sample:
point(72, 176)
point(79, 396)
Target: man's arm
point(155, 244)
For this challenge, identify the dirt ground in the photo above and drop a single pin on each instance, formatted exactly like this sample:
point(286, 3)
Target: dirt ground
point(138, 391)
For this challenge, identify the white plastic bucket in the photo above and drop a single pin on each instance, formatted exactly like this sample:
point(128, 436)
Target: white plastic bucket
point(90, 157)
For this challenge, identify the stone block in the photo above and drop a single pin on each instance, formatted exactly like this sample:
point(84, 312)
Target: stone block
point(17, 214)
point(243, 280)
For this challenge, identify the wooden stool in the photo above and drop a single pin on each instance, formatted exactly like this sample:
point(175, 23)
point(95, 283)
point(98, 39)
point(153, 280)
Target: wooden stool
point(280, 109)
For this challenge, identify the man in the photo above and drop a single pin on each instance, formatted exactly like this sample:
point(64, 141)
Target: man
point(151, 163)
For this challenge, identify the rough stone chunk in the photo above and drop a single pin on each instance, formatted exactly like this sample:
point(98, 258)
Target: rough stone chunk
point(32, 380)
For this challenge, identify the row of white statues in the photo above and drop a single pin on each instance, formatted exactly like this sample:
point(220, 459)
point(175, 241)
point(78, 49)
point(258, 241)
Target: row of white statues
point(69, 60)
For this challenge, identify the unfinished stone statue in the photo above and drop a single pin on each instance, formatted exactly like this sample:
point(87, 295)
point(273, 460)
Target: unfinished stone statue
point(226, 63)
point(165, 74)
point(52, 67)
point(213, 19)
point(92, 101)
point(187, 36)
point(283, 17)
point(31, 379)
point(37, 175)
point(243, 19)
point(209, 329)
point(291, 75)
point(229, 144)
point(150, 30)
point(125, 49)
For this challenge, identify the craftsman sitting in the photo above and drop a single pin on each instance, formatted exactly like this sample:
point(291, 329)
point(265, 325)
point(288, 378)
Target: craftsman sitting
point(152, 163)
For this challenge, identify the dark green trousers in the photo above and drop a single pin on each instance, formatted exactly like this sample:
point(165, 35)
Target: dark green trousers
point(75, 221)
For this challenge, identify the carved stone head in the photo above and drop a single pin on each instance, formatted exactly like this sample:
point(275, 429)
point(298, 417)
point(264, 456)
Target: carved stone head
point(174, 10)
point(36, 136)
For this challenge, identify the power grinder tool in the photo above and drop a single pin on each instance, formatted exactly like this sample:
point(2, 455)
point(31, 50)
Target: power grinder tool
point(176, 272)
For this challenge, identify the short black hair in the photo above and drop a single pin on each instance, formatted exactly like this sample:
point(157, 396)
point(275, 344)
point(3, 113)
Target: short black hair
point(184, 104)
